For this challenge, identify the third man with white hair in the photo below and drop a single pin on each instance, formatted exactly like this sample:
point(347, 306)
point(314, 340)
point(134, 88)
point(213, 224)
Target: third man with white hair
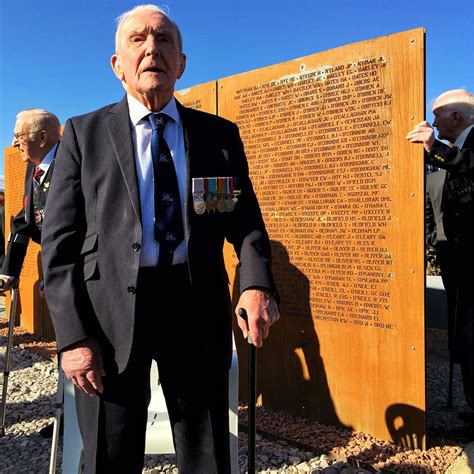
point(454, 119)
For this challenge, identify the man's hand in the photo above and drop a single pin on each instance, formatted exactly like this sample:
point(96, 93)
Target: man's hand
point(422, 133)
point(82, 365)
point(262, 312)
point(6, 283)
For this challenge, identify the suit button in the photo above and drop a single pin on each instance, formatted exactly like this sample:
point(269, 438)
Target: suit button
point(136, 246)
point(131, 289)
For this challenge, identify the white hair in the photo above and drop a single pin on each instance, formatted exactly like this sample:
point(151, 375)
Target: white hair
point(39, 119)
point(164, 10)
point(457, 100)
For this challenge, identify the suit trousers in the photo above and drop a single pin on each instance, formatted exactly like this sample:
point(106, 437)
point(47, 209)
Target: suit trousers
point(464, 338)
point(168, 329)
point(461, 307)
point(449, 277)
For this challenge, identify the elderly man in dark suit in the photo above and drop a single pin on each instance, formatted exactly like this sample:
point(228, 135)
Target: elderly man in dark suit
point(36, 135)
point(436, 238)
point(454, 119)
point(132, 250)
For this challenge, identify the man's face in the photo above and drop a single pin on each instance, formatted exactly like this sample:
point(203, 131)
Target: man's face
point(445, 124)
point(148, 59)
point(30, 142)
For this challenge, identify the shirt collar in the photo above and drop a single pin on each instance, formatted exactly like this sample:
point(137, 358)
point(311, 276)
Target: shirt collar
point(138, 111)
point(48, 159)
point(462, 138)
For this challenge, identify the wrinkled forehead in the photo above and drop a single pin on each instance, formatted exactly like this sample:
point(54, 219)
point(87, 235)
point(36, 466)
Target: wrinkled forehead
point(145, 20)
point(20, 125)
point(441, 109)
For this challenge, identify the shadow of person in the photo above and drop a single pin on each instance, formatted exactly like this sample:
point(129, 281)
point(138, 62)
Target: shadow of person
point(290, 371)
point(406, 425)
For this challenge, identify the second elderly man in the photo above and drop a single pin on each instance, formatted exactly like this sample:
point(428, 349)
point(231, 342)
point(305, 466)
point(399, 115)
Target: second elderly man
point(36, 135)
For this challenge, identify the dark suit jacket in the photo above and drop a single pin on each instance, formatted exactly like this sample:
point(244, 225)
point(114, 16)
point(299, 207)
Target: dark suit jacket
point(23, 226)
point(457, 202)
point(433, 210)
point(93, 225)
point(453, 159)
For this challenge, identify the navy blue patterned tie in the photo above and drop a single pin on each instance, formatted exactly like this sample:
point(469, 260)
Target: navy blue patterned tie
point(168, 218)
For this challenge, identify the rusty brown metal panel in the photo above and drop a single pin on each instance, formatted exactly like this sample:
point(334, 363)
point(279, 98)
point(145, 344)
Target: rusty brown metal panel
point(341, 192)
point(33, 312)
point(201, 97)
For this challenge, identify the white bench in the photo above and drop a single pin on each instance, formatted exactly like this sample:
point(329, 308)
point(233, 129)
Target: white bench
point(158, 434)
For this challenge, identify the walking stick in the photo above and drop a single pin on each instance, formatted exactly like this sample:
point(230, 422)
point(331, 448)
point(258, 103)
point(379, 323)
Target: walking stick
point(450, 404)
point(7, 363)
point(252, 397)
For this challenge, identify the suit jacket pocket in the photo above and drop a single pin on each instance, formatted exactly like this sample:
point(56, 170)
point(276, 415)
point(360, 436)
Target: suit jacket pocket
point(91, 270)
point(90, 244)
point(89, 253)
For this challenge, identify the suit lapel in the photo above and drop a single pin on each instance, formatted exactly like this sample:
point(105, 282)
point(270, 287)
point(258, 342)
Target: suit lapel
point(469, 142)
point(118, 126)
point(191, 142)
point(49, 173)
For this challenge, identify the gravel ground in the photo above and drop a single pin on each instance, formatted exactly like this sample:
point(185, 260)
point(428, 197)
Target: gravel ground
point(318, 448)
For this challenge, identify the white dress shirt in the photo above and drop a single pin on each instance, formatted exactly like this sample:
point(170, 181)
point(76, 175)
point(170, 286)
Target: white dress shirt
point(462, 137)
point(141, 136)
point(47, 160)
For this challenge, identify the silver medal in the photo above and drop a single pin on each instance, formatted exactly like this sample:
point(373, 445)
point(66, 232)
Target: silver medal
point(199, 205)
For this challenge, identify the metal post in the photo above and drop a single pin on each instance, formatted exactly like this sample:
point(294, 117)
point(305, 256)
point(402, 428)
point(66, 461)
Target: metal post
point(59, 406)
point(7, 363)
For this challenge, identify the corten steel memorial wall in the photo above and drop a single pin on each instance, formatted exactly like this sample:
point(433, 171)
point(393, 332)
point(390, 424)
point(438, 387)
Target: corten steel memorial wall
point(33, 313)
point(202, 97)
point(341, 192)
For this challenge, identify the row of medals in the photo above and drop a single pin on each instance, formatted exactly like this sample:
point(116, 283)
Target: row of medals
point(212, 201)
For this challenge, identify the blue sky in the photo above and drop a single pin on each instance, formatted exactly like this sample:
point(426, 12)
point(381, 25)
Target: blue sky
point(55, 54)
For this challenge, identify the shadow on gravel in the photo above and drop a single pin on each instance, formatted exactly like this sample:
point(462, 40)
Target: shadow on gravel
point(21, 453)
point(28, 411)
point(406, 425)
point(290, 371)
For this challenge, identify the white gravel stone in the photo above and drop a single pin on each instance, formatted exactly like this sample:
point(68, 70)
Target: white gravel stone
point(31, 394)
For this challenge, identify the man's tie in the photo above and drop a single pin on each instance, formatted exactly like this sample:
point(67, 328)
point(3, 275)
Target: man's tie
point(37, 178)
point(167, 218)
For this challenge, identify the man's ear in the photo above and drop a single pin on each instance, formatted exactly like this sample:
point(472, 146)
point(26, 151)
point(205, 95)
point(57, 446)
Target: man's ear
point(117, 66)
point(457, 119)
point(43, 138)
point(182, 65)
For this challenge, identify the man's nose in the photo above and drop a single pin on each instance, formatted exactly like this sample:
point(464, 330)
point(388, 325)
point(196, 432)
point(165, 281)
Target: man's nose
point(15, 142)
point(152, 45)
